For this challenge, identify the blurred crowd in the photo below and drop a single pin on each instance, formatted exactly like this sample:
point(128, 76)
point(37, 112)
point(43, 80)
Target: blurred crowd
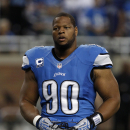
point(93, 17)
point(122, 117)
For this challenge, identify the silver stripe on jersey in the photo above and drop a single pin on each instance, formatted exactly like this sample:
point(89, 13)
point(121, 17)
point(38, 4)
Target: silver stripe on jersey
point(25, 61)
point(102, 60)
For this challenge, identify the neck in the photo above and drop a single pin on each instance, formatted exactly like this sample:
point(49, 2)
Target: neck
point(62, 54)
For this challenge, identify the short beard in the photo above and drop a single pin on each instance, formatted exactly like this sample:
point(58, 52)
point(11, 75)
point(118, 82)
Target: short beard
point(66, 46)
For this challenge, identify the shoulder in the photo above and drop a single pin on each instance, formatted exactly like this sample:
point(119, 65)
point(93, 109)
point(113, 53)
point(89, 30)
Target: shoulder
point(91, 50)
point(94, 54)
point(35, 53)
point(38, 50)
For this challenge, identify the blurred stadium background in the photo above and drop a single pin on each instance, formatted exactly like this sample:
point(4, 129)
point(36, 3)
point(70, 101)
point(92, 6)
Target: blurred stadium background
point(27, 23)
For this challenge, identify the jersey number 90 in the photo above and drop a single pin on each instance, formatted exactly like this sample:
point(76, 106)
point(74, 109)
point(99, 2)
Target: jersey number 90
point(64, 100)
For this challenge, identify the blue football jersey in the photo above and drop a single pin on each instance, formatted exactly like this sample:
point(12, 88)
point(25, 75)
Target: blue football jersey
point(65, 87)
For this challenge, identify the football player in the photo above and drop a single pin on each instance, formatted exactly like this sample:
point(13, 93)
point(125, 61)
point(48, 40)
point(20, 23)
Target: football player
point(66, 77)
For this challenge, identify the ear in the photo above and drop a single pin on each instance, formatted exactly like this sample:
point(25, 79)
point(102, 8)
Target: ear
point(76, 31)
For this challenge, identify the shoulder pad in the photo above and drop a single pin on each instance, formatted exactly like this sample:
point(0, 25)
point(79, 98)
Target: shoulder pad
point(39, 50)
point(35, 53)
point(93, 54)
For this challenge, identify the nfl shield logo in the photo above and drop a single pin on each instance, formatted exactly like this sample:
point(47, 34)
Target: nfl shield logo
point(59, 65)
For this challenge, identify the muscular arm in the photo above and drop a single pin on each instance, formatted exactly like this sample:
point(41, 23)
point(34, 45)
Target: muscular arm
point(29, 97)
point(107, 87)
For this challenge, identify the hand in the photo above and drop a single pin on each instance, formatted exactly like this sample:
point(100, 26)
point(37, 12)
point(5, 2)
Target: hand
point(84, 124)
point(46, 124)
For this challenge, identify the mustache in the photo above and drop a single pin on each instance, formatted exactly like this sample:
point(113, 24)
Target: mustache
point(65, 46)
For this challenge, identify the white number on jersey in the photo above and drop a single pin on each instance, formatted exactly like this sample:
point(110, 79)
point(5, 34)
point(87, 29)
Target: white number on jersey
point(53, 95)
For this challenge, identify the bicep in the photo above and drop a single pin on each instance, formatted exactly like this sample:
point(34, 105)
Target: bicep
point(106, 84)
point(29, 90)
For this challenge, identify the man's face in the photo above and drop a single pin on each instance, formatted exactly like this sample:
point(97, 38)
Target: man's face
point(64, 33)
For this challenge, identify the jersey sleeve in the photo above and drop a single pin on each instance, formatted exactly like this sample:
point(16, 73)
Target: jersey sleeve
point(103, 59)
point(25, 64)
point(34, 57)
point(95, 56)
point(29, 59)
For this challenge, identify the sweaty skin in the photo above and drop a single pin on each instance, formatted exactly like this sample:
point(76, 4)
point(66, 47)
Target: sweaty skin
point(64, 36)
point(29, 97)
point(107, 87)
